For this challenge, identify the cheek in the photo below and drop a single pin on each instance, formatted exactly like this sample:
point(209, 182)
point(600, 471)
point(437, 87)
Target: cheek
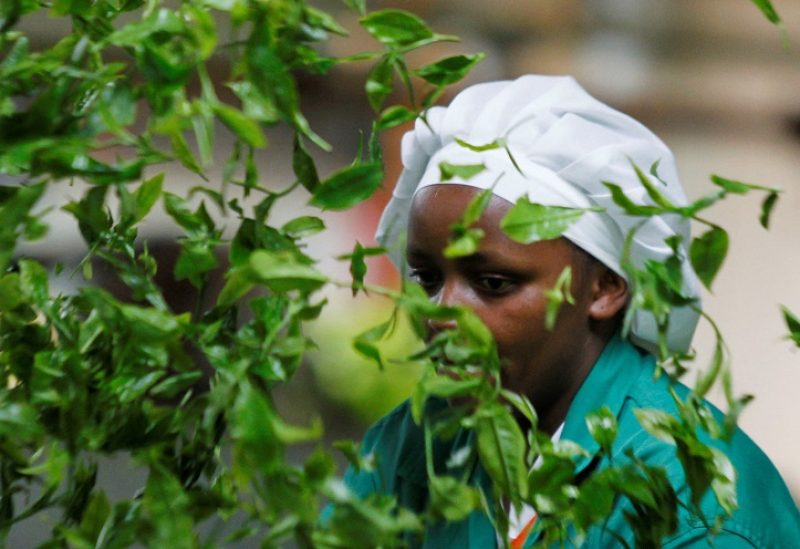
point(518, 329)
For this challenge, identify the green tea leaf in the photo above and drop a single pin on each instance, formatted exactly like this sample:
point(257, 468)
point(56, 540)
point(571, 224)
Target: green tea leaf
point(18, 420)
point(150, 324)
point(348, 187)
point(496, 144)
point(359, 6)
point(304, 167)
point(452, 499)
point(380, 83)
point(465, 244)
point(449, 70)
point(364, 343)
point(629, 206)
point(707, 379)
point(766, 209)
point(167, 507)
point(303, 226)
point(662, 425)
point(394, 116)
point(251, 420)
point(282, 273)
point(396, 27)
point(146, 196)
point(707, 252)
point(501, 446)
point(10, 292)
point(528, 222)
point(465, 172)
point(730, 185)
point(793, 324)
point(239, 281)
point(358, 267)
point(652, 191)
point(95, 515)
point(34, 283)
point(557, 296)
point(319, 19)
point(245, 128)
point(182, 152)
point(602, 425)
point(176, 384)
point(195, 260)
point(724, 482)
point(476, 207)
point(179, 211)
point(768, 10)
point(293, 434)
point(92, 214)
point(703, 202)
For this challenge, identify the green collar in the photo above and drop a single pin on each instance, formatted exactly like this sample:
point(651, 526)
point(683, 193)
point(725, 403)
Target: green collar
point(607, 384)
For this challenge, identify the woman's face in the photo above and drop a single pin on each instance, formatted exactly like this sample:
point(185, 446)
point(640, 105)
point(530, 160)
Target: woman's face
point(506, 283)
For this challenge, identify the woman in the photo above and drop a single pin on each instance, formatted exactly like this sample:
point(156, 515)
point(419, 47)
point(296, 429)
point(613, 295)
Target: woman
point(546, 140)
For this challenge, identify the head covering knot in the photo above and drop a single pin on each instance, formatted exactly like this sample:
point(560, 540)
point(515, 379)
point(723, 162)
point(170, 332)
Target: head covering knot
point(546, 138)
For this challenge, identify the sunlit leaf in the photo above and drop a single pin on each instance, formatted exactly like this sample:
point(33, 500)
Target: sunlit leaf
point(660, 424)
point(146, 196)
point(731, 185)
point(528, 222)
point(602, 425)
point(348, 187)
point(396, 27)
point(282, 273)
point(303, 226)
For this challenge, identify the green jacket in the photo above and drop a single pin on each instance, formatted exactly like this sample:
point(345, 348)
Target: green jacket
point(622, 379)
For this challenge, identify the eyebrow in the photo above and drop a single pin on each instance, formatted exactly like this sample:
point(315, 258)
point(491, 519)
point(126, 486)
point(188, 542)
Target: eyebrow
point(477, 257)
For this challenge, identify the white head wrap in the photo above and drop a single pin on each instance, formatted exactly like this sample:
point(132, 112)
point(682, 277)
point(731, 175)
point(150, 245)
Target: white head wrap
point(566, 144)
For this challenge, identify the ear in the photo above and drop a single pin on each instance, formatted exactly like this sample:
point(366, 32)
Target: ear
point(609, 294)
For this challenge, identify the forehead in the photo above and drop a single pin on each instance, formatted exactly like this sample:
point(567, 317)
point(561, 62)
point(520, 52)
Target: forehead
point(447, 202)
point(436, 208)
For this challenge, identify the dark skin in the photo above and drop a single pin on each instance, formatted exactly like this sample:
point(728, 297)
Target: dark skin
point(505, 284)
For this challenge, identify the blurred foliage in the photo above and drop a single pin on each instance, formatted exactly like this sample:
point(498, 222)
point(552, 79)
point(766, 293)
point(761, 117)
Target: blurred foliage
point(125, 89)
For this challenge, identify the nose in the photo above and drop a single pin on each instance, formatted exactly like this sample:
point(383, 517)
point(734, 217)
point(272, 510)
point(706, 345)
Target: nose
point(450, 294)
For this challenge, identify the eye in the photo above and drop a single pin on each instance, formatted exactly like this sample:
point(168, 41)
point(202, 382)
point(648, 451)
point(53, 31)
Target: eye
point(494, 284)
point(429, 279)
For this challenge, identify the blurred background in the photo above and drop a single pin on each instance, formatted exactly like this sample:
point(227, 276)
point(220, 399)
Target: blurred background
point(717, 82)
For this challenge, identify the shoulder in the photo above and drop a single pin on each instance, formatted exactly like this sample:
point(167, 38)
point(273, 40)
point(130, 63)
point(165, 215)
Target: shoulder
point(395, 445)
point(766, 515)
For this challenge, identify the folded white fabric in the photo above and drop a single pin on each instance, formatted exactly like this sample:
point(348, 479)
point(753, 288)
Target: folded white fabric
point(565, 145)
